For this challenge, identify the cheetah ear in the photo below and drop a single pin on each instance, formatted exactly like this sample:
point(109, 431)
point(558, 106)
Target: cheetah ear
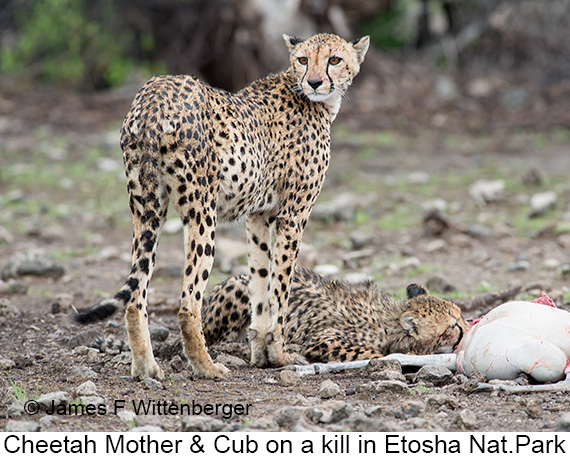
point(413, 290)
point(291, 41)
point(361, 45)
point(409, 322)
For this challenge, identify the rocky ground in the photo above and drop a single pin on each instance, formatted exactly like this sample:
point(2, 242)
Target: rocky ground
point(464, 213)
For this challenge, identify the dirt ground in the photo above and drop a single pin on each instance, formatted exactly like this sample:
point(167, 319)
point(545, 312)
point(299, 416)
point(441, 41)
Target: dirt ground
point(62, 197)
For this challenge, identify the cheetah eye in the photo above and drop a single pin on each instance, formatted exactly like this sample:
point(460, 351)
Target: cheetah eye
point(334, 60)
point(303, 60)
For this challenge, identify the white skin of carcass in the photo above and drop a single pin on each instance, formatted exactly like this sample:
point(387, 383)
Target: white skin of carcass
point(518, 337)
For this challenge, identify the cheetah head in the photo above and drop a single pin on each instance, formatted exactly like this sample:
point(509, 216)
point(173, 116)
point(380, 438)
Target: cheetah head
point(325, 65)
point(431, 323)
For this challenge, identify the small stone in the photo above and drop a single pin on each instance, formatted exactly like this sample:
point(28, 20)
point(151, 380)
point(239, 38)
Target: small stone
point(466, 420)
point(151, 384)
point(563, 424)
point(387, 375)
point(22, 426)
point(178, 365)
point(231, 361)
point(441, 400)
point(362, 423)
point(81, 373)
point(436, 375)
point(84, 338)
point(289, 378)
point(86, 389)
point(12, 287)
point(534, 409)
point(147, 429)
point(486, 191)
point(519, 265)
point(6, 364)
point(287, 416)
point(437, 204)
point(435, 245)
point(94, 400)
point(326, 269)
point(52, 400)
point(440, 284)
point(32, 264)
point(158, 333)
point(375, 387)
point(551, 264)
point(17, 408)
point(128, 417)
point(359, 239)
point(46, 421)
point(412, 408)
point(202, 424)
point(328, 389)
point(542, 202)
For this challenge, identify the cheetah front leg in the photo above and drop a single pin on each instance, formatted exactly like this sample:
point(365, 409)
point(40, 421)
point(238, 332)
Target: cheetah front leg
point(199, 249)
point(267, 337)
point(259, 261)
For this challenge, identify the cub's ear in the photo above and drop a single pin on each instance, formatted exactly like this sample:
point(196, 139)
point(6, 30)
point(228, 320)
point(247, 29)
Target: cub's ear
point(413, 290)
point(409, 322)
point(361, 45)
point(291, 41)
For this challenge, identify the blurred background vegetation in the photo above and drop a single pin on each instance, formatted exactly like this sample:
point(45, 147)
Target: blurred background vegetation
point(97, 44)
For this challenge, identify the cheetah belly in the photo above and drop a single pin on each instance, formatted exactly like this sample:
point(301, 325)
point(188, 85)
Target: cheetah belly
point(245, 192)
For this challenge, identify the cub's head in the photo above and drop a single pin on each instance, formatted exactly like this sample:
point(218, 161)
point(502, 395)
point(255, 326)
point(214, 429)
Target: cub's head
point(325, 64)
point(430, 323)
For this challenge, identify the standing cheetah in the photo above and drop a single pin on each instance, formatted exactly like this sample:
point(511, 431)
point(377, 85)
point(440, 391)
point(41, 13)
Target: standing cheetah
point(261, 153)
point(334, 320)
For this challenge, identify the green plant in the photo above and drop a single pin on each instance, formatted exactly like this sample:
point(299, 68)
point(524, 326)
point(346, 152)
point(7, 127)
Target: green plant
point(70, 42)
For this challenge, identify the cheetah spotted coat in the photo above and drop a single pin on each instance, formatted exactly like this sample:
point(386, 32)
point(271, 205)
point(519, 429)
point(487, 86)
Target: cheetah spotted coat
point(261, 153)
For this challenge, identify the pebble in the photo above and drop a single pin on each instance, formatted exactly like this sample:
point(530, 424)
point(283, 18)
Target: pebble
point(16, 409)
point(94, 400)
point(6, 364)
point(341, 209)
point(360, 239)
point(32, 264)
point(177, 364)
point(327, 269)
point(541, 203)
point(288, 416)
point(22, 426)
point(375, 387)
point(128, 417)
point(362, 423)
point(289, 378)
point(13, 287)
point(52, 399)
point(519, 265)
point(158, 333)
point(202, 424)
point(466, 420)
point(81, 373)
point(86, 389)
point(231, 361)
point(85, 338)
point(151, 384)
point(357, 259)
point(436, 375)
point(334, 411)
point(328, 389)
point(534, 409)
point(147, 429)
point(486, 191)
point(440, 284)
point(563, 424)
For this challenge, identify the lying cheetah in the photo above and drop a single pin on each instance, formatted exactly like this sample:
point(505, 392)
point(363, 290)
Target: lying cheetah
point(216, 156)
point(334, 320)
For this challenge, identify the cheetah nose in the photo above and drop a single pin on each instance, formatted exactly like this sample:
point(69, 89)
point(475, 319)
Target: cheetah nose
point(314, 83)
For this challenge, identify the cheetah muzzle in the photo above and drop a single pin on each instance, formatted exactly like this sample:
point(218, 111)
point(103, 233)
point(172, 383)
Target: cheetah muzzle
point(261, 153)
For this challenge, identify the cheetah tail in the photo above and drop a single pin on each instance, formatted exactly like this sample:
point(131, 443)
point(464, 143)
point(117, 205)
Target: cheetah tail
point(105, 310)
